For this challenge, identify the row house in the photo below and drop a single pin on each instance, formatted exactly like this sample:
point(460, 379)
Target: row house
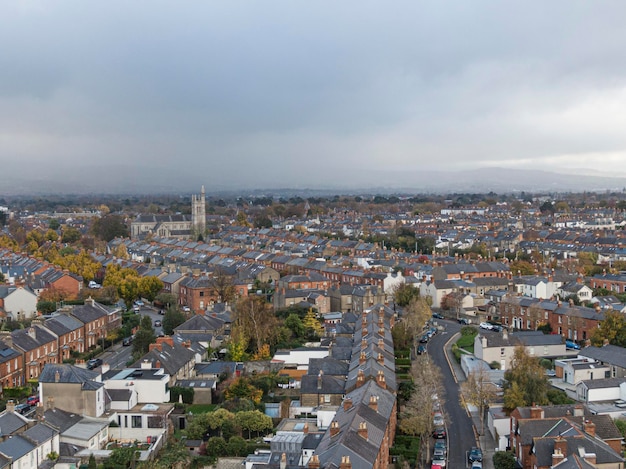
point(62, 281)
point(469, 270)
point(38, 347)
point(615, 283)
point(11, 362)
point(544, 437)
point(198, 293)
point(95, 318)
point(71, 334)
point(303, 282)
point(566, 319)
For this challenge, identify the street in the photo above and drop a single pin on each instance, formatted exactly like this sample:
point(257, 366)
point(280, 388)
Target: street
point(459, 425)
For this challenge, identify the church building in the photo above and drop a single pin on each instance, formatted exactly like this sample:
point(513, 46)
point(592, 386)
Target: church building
point(173, 226)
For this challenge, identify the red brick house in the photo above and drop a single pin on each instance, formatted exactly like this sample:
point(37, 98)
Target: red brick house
point(70, 332)
point(38, 347)
point(11, 362)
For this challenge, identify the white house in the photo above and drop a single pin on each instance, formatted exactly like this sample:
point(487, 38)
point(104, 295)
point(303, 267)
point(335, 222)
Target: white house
point(575, 370)
point(536, 287)
point(142, 385)
point(18, 302)
point(601, 390)
point(392, 281)
point(299, 357)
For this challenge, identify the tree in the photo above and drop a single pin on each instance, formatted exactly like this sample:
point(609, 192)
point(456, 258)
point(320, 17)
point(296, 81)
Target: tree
point(417, 419)
point(172, 319)
point(312, 325)
point(479, 391)
point(295, 325)
point(92, 462)
point(216, 447)
point(253, 421)
point(522, 267)
point(254, 322)
point(612, 328)
point(237, 446)
point(70, 234)
point(143, 337)
point(241, 387)
point(404, 293)
point(109, 227)
point(221, 420)
point(526, 382)
point(149, 287)
point(222, 282)
point(504, 460)
point(416, 314)
point(54, 224)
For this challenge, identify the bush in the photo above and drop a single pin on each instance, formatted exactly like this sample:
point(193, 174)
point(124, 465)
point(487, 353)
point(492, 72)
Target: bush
point(216, 446)
point(503, 460)
point(237, 446)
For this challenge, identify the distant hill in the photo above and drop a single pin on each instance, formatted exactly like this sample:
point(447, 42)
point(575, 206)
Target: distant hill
point(129, 180)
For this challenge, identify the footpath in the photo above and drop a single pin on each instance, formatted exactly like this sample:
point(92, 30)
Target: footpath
point(486, 442)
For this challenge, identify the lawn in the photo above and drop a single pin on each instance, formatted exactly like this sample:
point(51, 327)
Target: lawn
point(201, 408)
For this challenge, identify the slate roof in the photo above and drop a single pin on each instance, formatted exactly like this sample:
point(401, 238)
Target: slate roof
point(611, 354)
point(11, 422)
point(67, 374)
point(88, 313)
point(16, 447)
point(328, 365)
point(40, 433)
point(7, 353)
point(171, 359)
point(328, 385)
point(62, 324)
point(200, 323)
point(544, 448)
point(61, 419)
point(31, 338)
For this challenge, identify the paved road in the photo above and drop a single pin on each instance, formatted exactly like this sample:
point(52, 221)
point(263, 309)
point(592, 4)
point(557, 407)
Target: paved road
point(459, 425)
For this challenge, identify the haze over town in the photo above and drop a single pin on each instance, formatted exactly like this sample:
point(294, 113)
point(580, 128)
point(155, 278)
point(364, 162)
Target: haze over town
point(317, 94)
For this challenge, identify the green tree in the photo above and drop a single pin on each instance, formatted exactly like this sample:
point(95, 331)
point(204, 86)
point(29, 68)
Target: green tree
point(109, 227)
point(237, 446)
point(253, 421)
point(216, 447)
point(527, 374)
point(46, 307)
point(522, 268)
point(54, 224)
point(70, 234)
point(221, 420)
point(504, 460)
point(172, 319)
point(92, 462)
point(295, 325)
point(404, 293)
point(143, 337)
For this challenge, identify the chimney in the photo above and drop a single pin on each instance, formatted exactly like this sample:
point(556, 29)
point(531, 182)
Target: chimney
point(11, 406)
point(156, 346)
point(50, 402)
point(305, 429)
point(319, 380)
point(90, 302)
point(7, 338)
point(363, 430)
point(373, 404)
point(536, 412)
point(347, 404)
point(505, 333)
point(32, 332)
point(334, 428)
point(560, 447)
point(557, 456)
point(381, 331)
point(157, 364)
point(381, 359)
point(579, 411)
point(146, 364)
point(57, 376)
point(362, 358)
point(589, 428)
point(345, 463)
point(363, 344)
point(283, 461)
point(605, 342)
point(380, 379)
point(105, 367)
point(381, 343)
point(314, 462)
point(590, 458)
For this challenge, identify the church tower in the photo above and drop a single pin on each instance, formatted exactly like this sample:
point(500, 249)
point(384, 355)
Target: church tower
point(198, 214)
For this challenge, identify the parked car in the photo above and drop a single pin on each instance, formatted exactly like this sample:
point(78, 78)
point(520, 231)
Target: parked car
point(464, 322)
point(424, 339)
point(94, 363)
point(22, 408)
point(437, 316)
point(438, 419)
point(421, 349)
point(186, 309)
point(94, 285)
point(441, 445)
point(475, 454)
point(127, 341)
point(32, 400)
point(439, 461)
point(570, 344)
point(157, 323)
point(486, 326)
point(136, 308)
point(439, 433)
point(139, 303)
point(477, 465)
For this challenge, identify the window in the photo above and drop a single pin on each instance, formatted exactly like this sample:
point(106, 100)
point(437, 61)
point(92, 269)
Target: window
point(136, 421)
point(502, 351)
point(327, 398)
point(155, 421)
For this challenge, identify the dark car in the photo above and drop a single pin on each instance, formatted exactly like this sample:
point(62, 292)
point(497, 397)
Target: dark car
point(22, 408)
point(421, 349)
point(437, 316)
point(475, 454)
point(127, 341)
point(439, 433)
point(464, 321)
point(94, 363)
point(424, 339)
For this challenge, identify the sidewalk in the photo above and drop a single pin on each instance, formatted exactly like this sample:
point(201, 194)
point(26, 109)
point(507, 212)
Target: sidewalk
point(486, 441)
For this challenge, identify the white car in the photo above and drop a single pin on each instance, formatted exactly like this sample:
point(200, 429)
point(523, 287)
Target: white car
point(486, 325)
point(438, 419)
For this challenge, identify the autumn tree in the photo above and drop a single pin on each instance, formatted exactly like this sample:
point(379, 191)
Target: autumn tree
point(243, 389)
point(417, 419)
point(109, 227)
point(612, 328)
point(522, 268)
point(416, 314)
point(70, 235)
point(149, 287)
point(143, 337)
point(222, 282)
point(312, 325)
point(254, 321)
point(525, 381)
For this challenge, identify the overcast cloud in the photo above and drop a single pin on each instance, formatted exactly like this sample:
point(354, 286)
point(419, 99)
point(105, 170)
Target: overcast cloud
point(285, 93)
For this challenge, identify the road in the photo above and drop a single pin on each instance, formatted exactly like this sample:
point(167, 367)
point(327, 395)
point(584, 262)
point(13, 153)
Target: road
point(459, 425)
point(118, 356)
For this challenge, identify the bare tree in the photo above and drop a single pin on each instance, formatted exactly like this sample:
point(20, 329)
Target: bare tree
point(417, 416)
point(480, 392)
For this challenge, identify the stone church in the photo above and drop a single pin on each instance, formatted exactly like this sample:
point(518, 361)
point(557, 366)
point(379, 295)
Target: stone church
point(173, 226)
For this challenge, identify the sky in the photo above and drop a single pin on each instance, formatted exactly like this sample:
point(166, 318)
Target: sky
point(317, 93)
